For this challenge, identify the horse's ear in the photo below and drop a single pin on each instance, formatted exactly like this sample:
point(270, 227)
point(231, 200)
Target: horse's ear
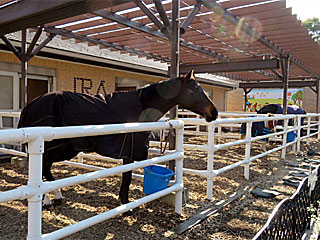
point(190, 75)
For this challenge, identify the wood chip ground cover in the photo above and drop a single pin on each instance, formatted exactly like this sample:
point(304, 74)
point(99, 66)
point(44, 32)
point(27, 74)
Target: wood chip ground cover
point(241, 219)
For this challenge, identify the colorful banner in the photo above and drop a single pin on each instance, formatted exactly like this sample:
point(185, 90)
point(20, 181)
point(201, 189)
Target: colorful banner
point(259, 98)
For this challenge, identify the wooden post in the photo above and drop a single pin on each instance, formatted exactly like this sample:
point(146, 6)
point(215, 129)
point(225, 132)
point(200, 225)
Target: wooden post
point(285, 67)
point(174, 69)
point(317, 92)
point(246, 97)
point(24, 66)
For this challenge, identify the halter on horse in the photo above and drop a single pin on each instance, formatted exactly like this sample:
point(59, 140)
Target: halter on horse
point(143, 105)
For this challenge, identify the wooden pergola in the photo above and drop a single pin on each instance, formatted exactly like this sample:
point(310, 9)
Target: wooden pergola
point(258, 42)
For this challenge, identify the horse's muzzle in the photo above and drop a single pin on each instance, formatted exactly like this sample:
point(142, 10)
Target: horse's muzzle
point(212, 116)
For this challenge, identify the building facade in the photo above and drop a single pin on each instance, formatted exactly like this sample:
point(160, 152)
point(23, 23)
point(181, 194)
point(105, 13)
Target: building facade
point(77, 68)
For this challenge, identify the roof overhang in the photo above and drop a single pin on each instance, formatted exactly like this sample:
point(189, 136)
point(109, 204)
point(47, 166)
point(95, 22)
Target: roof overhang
point(31, 13)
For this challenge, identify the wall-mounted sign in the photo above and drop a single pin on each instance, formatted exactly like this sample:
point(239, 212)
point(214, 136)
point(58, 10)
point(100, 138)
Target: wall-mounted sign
point(259, 98)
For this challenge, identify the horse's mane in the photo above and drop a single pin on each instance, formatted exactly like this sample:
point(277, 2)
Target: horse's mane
point(160, 97)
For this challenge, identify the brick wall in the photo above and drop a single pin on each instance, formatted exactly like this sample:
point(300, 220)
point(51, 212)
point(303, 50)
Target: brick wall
point(87, 78)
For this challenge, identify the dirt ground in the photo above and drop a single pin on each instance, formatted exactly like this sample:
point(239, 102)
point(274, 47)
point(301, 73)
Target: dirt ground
point(241, 219)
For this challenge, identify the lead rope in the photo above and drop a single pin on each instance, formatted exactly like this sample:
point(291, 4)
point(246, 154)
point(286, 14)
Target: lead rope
point(162, 151)
point(165, 146)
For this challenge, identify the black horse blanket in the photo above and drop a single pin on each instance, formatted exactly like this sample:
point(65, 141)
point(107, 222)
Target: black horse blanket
point(72, 109)
point(278, 109)
point(257, 129)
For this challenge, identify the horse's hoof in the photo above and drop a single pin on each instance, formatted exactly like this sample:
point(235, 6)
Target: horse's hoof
point(57, 202)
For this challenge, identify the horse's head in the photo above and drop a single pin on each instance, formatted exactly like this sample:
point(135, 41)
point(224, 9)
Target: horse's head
point(193, 98)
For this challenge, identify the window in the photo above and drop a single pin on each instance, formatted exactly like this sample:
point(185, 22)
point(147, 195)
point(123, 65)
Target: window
point(8, 91)
point(8, 96)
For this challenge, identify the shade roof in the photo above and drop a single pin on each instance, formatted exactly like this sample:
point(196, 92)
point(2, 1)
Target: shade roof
point(209, 38)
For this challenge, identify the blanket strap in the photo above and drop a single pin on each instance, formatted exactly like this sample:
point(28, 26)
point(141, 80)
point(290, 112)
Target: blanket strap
point(123, 143)
point(124, 140)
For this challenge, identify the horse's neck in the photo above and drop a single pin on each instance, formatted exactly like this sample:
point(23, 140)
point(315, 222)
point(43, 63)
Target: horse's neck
point(155, 104)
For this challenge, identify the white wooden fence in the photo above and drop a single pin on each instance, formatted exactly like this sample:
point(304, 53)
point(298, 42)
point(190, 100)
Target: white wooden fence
point(311, 128)
point(35, 187)
point(211, 147)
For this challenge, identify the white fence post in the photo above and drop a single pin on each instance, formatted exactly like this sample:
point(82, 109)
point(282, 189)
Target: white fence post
point(80, 157)
point(35, 150)
point(284, 139)
point(179, 170)
point(299, 135)
point(248, 150)
point(219, 133)
point(211, 130)
point(308, 129)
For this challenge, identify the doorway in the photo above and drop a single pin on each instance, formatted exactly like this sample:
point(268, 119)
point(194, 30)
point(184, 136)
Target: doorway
point(37, 86)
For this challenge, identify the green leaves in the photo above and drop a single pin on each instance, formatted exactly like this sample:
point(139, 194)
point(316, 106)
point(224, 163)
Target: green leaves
point(313, 25)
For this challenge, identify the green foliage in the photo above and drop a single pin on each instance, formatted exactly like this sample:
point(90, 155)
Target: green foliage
point(313, 25)
point(299, 95)
point(315, 213)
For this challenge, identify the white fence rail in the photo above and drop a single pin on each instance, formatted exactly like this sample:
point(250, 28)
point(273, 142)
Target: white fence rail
point(35, 188)
point(211, 147)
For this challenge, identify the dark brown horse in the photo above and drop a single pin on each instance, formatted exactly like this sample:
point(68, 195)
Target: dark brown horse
point(143, 105)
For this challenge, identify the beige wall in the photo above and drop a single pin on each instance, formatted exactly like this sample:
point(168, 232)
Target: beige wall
point(73, 76)
point(309, 99)
point(81, 77)
point(235, 100)
point(217, 96)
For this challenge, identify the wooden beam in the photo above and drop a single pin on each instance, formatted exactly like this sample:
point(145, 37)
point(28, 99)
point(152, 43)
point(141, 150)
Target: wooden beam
point(270, 84)
point(232, 66)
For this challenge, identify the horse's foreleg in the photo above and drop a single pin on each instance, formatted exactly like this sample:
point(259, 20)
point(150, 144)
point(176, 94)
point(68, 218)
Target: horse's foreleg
point(124, 189)
point(49, 177)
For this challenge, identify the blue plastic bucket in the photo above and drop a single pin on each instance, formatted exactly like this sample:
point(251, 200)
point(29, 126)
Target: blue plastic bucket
point(156, 178)
point(291, 136)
